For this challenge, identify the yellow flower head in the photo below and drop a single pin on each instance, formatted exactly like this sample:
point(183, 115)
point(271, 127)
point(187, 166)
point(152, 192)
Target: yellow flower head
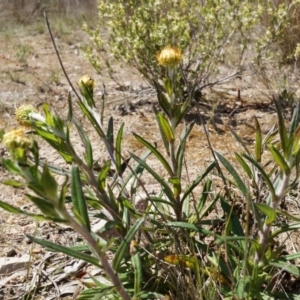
point(88, 82)
point(23, 114)
point(16, 139)
point(169, 56)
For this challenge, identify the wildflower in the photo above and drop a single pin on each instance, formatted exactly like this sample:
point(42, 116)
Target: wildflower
point(16, 139)
point(87, 82)
point(169, 56)
point(23, 114)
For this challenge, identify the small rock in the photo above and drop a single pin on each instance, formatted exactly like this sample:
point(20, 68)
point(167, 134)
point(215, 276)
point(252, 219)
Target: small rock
point(11, 253)
point(36, 250)
point(9, 265)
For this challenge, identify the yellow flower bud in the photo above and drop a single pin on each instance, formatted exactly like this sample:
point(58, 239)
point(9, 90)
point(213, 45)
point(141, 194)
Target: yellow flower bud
point(16, 139)
point(23, 114)
point(88, 82)
point(169, 56)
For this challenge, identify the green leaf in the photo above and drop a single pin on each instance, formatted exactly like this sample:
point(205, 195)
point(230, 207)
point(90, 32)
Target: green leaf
point(63, 192)
point(11, 166)
point(78, 198)
point(176, 185)
point(47, 208)
point(263, 174)
point(238, 138)
point(235, 175)
point(160, 180)
point(258, 141)
point(137, 268)
point(295, 120)
point(233, 219)
point(121, 251)
point(279, 159)
point(166, 143)
point(286, 228)
point(181, 147)
point(191, 227)
point(290, 268)
point(268, 211)
point(13, 183)
point(66, 250)
point(15, 210)
point(282, 131)
point(88, 155)
point(168, 86)
point(165, 128)
point(103, 175)
point(49, 184)
point(198, 180)
point(92, 119)
point(110, 131)
point(244, 165)
point(164, 101)
point(182, 109)
point(70, 108)
point(118, 151)
point(158, 155)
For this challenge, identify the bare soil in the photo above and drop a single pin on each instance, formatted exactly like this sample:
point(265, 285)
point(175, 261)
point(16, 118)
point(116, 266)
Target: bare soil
point(41, 80)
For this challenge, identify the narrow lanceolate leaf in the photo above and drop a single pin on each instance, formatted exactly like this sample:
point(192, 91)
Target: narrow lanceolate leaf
point(258, 141)
point(244, 165)
point(58, 248)
point(286, 228)
point(160, 180)
point(137, 267)
point(49, 184)
point(176, 185)
point(88, 155)
point(241, 142)
point(164, 139)
point(279, 159)
point(158, 155)
point(295, 120)
point(118, 151)
point(13, 183)
point(263, 174)
point(78, 198)
point(92, 120)
point(282, 131)
point(183, 109)
point(234, 174)
point(121, 251)
point(164, 102)
point(268, 211)
point(165, 128)
point(15, 210)
point(197, 181)
point(181, 147)
point(103, 175)
point(11, 166)
point(70, 107)
point(47, 208)
point(110, 131)
point(290, 268)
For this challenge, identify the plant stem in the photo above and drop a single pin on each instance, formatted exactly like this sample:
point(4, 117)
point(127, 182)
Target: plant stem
point(265, 233)
point(100, 255)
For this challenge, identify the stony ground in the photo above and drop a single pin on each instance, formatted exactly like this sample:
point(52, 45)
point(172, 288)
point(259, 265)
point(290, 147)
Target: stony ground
point(30, 73)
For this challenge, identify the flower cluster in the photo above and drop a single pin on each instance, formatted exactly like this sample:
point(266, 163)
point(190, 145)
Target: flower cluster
point(16, 139)
point(169, 56)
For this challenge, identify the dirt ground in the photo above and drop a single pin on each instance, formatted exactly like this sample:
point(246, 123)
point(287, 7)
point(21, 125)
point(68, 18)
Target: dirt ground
point(40, 80)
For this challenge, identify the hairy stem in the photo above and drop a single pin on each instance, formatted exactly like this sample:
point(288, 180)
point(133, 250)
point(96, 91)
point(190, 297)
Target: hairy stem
point(100, 255)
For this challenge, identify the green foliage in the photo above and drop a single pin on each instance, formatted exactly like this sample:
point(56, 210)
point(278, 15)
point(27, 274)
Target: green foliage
point(23, 52)
point(204, 31)
point(175, 240)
